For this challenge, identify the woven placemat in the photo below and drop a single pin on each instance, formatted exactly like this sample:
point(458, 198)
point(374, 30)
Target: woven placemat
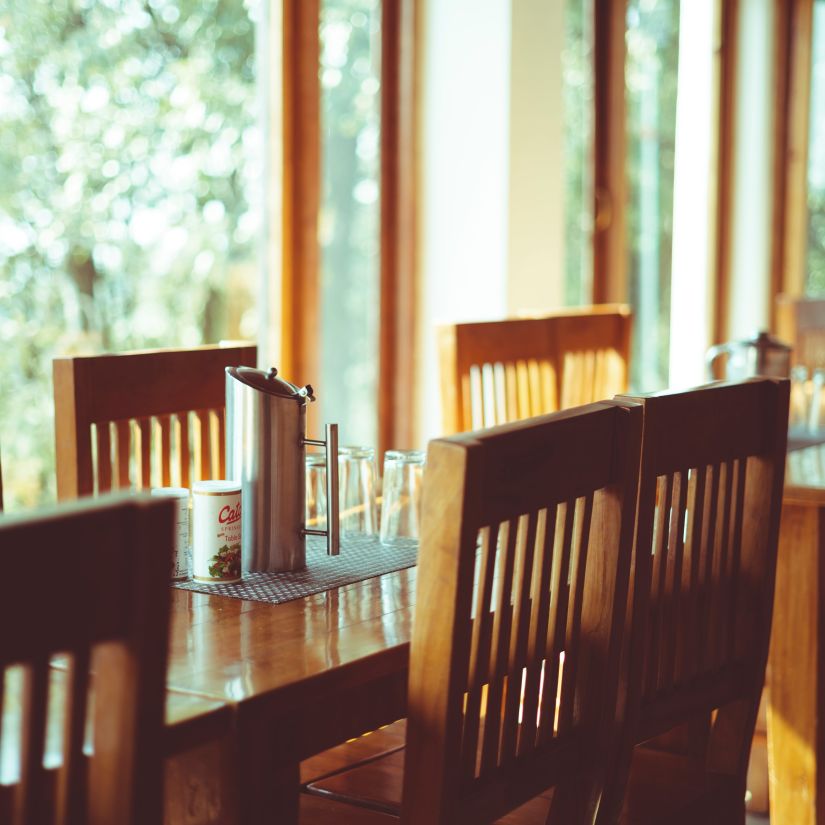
point(361, 557)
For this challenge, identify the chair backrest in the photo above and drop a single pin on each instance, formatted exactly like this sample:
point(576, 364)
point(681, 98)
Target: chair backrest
point(494, 372)
point(800, 322)
point(141, 419)
point(710, 496)
point(88, 582)
point(522, 586)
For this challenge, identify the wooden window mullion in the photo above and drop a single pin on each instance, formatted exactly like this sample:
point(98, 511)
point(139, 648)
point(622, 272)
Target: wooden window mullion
point(793, 58)
point(396, 382)
point(300, 306)
point(609, 152)
point(724, 166)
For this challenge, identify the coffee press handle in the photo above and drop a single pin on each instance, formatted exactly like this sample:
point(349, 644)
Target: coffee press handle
point(331, 447)
point(331, 444)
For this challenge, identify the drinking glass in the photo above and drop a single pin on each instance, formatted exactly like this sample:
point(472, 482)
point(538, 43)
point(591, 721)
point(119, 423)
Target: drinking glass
point(800, 406)
point(400, 506)
point(316, 491)
point(357, 477)
point(815, 411)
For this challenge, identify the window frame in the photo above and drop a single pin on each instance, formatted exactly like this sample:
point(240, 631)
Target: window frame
point(793, 50)
point(300, 330)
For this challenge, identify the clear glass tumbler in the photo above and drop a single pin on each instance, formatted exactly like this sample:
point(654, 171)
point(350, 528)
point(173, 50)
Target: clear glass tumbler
point(316, 491)
point(401, 503)
point(357, 480)
point(800, 404)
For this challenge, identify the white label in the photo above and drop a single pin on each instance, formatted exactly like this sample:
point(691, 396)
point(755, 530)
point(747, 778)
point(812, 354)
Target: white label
point(216, 536)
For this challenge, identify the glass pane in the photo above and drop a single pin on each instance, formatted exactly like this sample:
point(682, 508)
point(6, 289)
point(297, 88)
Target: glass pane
point(129, 160)
point(815, 285)
point(349, 218)
point(651, 77)
point(577, 85)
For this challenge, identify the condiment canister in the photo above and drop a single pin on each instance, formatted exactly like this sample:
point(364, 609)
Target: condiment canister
point(216, 531)
point(182, 560)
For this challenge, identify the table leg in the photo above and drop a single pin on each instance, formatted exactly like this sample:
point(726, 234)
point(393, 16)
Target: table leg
point(795, 686)
point(268, 771)
point(199, 788)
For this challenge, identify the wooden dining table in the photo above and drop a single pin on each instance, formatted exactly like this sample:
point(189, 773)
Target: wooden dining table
point(796, 667)
point(298, 677)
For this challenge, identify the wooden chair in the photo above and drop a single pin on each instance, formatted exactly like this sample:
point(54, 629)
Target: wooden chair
point(800, 322)
point(89, 582)
point(522, 591)
point(499, 371)
point(141, 419)
point(713, 462)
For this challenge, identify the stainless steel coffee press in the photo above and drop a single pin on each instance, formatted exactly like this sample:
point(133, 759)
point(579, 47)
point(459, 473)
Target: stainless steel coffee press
point(265, 451)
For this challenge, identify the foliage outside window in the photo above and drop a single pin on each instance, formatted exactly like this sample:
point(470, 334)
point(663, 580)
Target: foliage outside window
point(350, 33)
point(577, 90)
point(129, 214)
point(651, 77)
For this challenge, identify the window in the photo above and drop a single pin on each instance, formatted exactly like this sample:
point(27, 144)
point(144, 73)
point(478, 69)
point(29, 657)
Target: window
point(348, 313)
point(349, 216)
point(651, 79)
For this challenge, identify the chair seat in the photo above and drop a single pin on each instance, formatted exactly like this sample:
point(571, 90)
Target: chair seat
point(366, 747)
point(670, 789)
point(316, 810)
point(375, 787)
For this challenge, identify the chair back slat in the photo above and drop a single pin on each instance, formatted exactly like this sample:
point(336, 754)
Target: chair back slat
point(97, 636)
point(71, 780)
point(575, 586)
point(220, 415)
point(33, 729)
point(149, 398)
point(204, 447)
point(103, 457)
point(144, 432)
point(499, 649)
point(539, 622)
point(123, 430)
point(521, 568)
point(185, 450)
point(500, 371)
point(519, 663)
point(166, 459)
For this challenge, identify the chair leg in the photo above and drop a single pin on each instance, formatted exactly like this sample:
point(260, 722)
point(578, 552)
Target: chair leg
point(614, 789)
point(574, 802)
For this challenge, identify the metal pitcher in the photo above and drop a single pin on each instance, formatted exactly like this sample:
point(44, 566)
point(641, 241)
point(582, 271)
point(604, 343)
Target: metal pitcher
point(265, 451)
point(762, 354)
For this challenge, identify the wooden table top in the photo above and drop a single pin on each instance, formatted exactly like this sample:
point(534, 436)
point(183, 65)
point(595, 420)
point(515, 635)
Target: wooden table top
point(231, 650)
point(239, 652)
point(228, 653)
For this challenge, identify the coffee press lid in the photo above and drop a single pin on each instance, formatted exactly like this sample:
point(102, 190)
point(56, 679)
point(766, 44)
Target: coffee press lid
point(764, 340)
point(270, 383)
